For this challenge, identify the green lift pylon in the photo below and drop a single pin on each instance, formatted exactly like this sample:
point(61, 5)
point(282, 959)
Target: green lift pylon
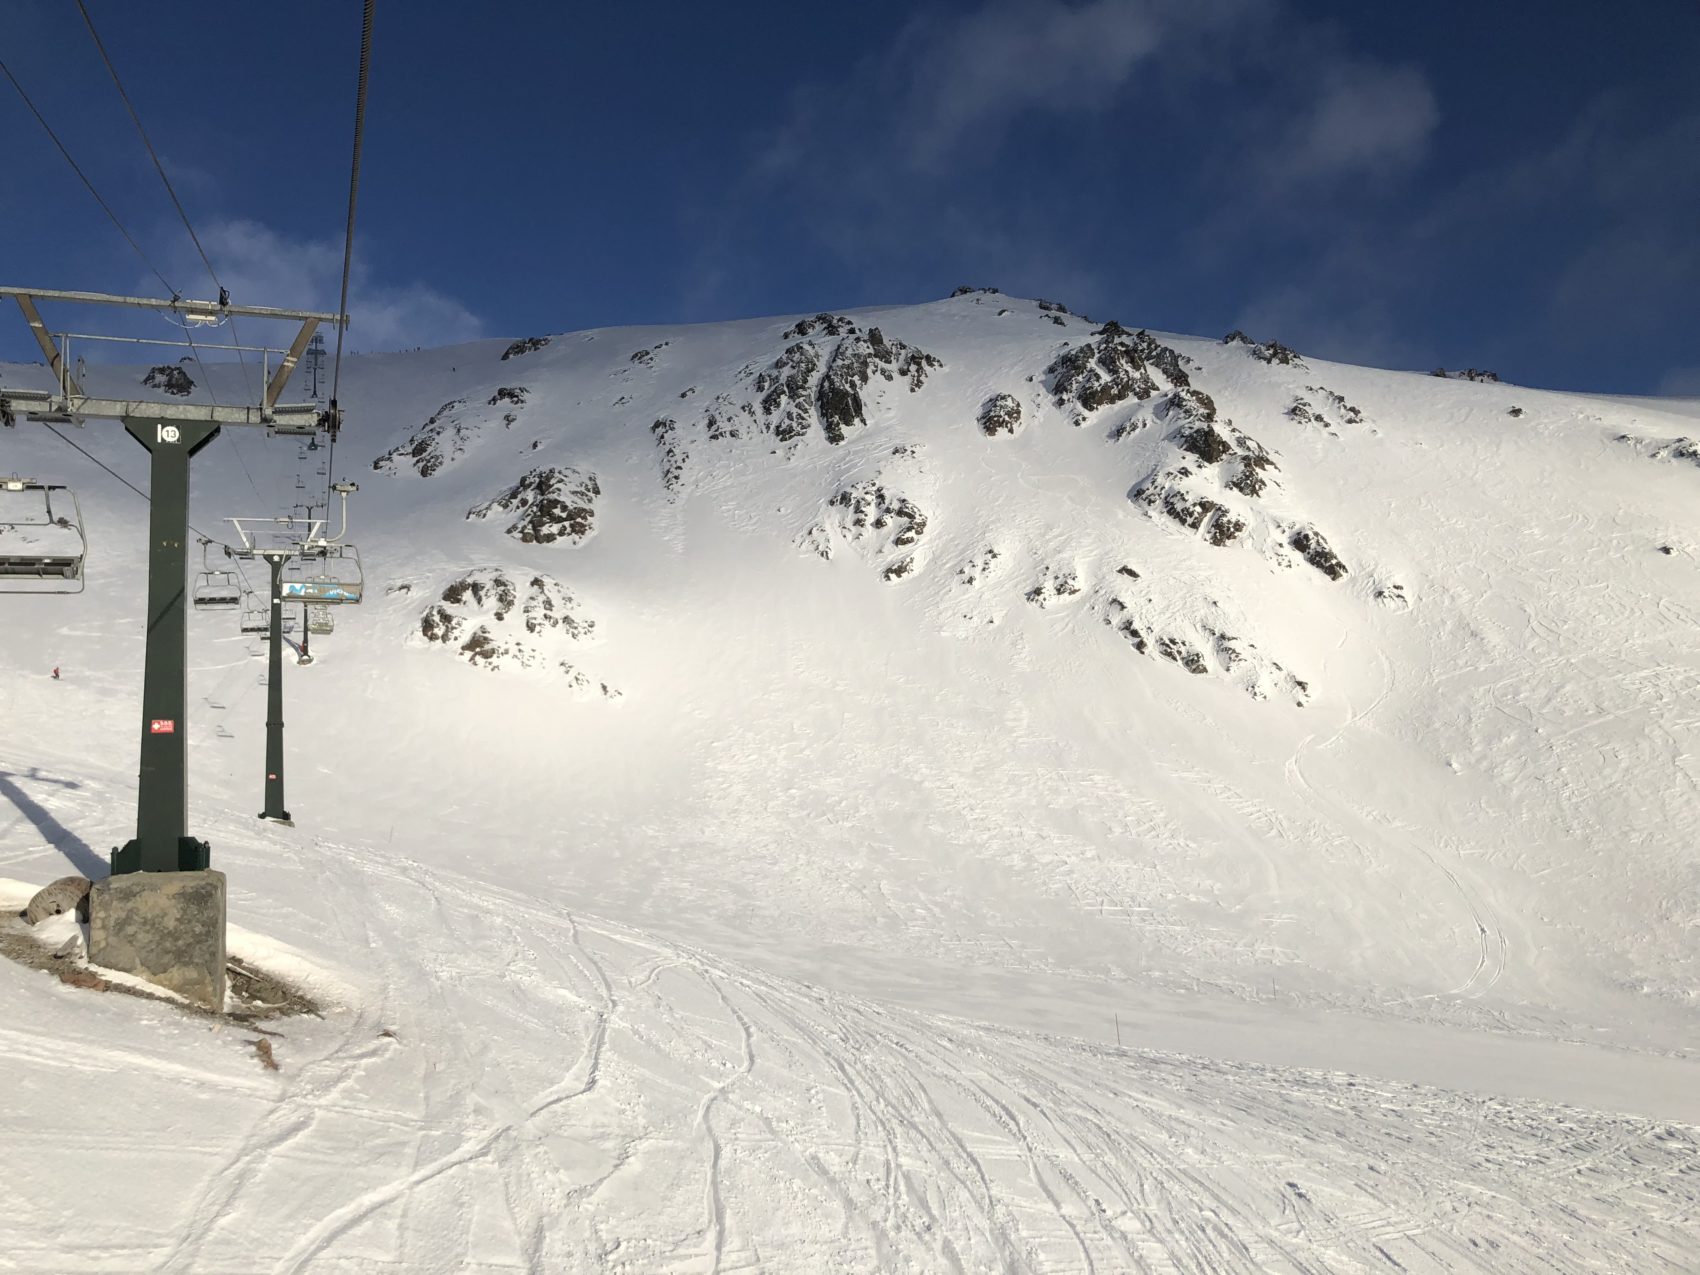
point(173, 432)
point(274, 810)
point(162, 842)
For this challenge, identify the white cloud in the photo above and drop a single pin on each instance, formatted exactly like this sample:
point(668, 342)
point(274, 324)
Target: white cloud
point(262, 266)
point(973, 75)
point(1367, 117)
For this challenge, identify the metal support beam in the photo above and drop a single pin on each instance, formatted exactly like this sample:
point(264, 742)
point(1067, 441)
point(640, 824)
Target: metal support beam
point(176, 305)
point(281, 377)
point(42, 404)
point(162, 842)
point(274, 701)
point(49, 347)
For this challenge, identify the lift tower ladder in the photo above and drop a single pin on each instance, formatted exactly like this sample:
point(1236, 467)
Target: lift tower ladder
point(172, 433)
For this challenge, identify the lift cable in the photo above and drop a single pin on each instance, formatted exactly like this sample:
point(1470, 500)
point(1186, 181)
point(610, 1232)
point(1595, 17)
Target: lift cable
point(348, 236)
point(104, 206)
point(170, 190)
point(72, 443)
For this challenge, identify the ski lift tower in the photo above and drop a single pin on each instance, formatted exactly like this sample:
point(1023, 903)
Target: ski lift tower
point(172, 432)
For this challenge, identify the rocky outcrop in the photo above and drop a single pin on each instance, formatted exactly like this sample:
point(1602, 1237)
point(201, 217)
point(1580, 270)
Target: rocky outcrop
point(1056, 584)
point(1200, 644)
point(496, 621)
point(1468, 374)
point(1223, 459)
point(1329, 413)
point(169, 378)
point(1000, 414)
point(825, 324)
point(525, 345)
point(436, 443)
point(821, 378)
point(552, 503)
point(884, 524)
point(674, 457)
point(1316, 551)
point(1681, 450)
point(1272, 352)
point(853, 364)
point(515, 394)
point(1119, 365)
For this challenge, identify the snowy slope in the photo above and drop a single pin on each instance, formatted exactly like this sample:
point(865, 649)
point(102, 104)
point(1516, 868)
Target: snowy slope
point(758, 791)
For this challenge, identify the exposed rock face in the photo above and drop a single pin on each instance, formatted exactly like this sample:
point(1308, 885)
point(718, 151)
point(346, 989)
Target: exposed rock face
point(170, 378)
point(1000, 414)
point(1316, 551)
point(1333, 410)
point(1468, 374)
point(1119, 365)
point(1200, 645)
point(1053, 307)
point(515, 394)
point(857, 360)
point(1667, 449)
point(525, 345)
point(674, 457)
point(1274, 352)
point(492, 621)
point(885, 524)
point(438, 442)
point(825, 324)
point(820, 378)
point(965, 291)
point(1056, 584)
point(1227, 460)
point(552, 503)
point(1264, 351)
point(786, 389)
point(978, 567)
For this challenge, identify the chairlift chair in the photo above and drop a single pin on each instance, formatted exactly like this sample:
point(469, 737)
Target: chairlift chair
point(257, 614)
point(330, 576)
point(214, 590)
point(43, 543)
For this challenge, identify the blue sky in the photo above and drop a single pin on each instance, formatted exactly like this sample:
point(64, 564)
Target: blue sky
point(1513, 186)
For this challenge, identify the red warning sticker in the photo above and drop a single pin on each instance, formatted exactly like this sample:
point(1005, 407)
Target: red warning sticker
point(162, 726)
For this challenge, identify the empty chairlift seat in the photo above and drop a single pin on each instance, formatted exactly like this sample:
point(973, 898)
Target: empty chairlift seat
point(217, 591)
point(42, 541)
point(257, 614)
point(214, 589)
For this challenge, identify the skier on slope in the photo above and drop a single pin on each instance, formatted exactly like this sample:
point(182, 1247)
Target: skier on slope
point(55, 672)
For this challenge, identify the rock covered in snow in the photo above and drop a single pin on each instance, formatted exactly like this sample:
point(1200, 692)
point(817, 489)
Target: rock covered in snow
point(1117, 366)
point(525, 345)
point(1000, 414)
point(169, 378)
point(1316, 551)
point(552, 503)
point(494, 620)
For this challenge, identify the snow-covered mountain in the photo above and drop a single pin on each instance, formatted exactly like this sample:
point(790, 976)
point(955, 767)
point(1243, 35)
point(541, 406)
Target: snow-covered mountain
point(960, 786)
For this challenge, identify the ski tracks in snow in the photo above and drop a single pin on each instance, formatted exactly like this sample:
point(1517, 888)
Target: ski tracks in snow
point(571, 1094)
point(1489, 950)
